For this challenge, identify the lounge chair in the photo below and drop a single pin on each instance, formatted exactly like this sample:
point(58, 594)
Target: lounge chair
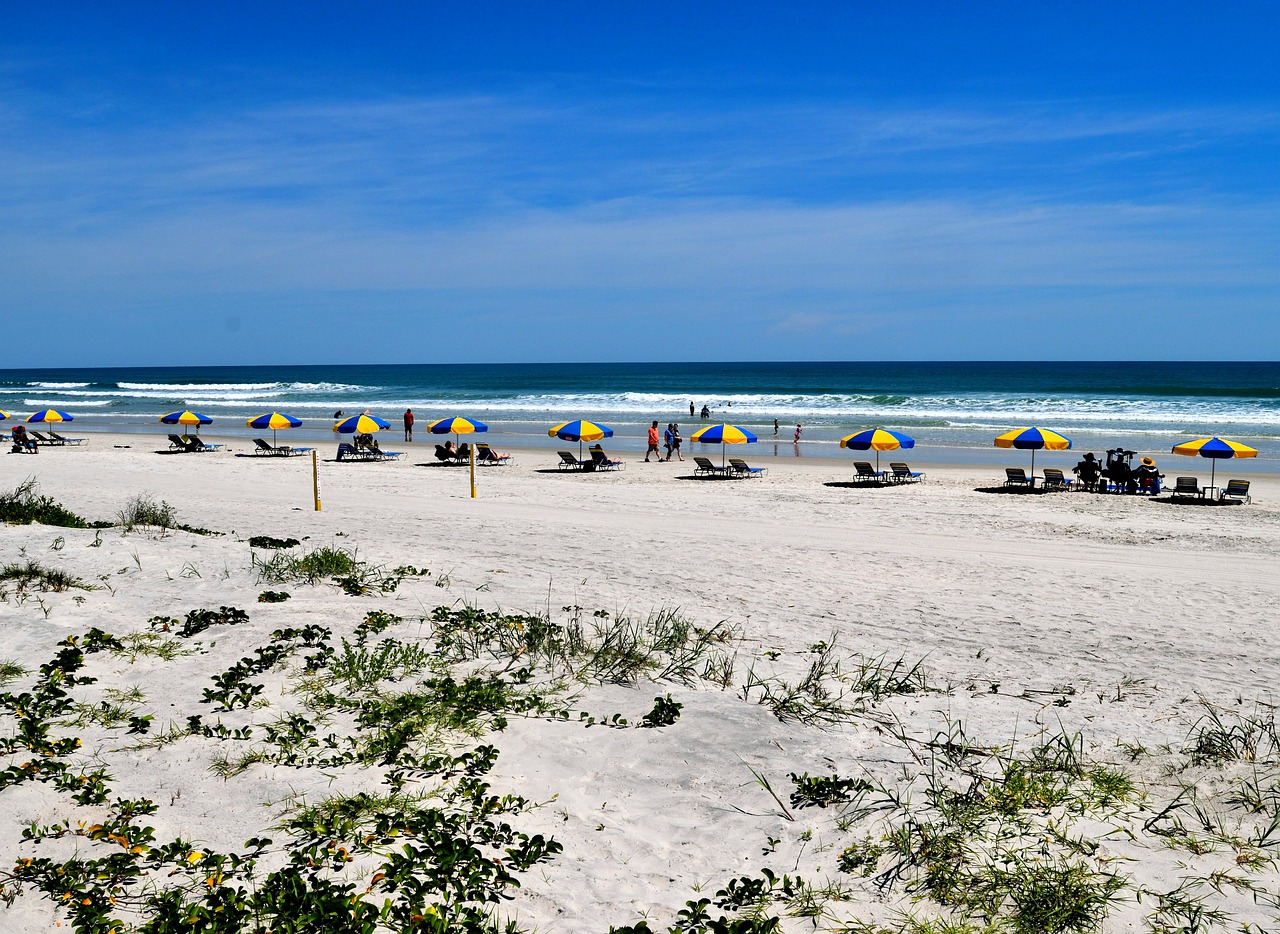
point(280, 450)
point(863, 472)
point(705, 468)
point(487, 455)
point(350, 452)
point(1235, 490)
point(602, 461)
point(1055, 480)
point(446, 455)
point(738, 466)
point(61, 440)
point(904, 474)
point(190, 445)
point(569, 462)
point(41, 439)
point(1017, 477)
point(1187, 487)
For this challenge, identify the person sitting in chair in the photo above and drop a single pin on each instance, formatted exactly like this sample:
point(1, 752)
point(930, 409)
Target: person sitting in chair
point(1148, 477)
point(23, 443)
point(1087, 470)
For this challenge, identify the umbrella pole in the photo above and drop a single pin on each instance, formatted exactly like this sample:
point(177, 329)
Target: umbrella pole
point(1033, 468)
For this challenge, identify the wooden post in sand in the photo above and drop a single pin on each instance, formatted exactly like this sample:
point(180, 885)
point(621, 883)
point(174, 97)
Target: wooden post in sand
point(472, 449)
point(315, 478)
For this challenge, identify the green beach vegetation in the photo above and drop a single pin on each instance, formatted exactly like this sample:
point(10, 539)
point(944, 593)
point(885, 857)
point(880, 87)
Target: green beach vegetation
point(402, 716)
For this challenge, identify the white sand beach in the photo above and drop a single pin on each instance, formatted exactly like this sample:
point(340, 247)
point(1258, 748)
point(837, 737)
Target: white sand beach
point(1113, 617)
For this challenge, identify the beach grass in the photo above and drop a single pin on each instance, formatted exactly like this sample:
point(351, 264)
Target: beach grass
point(391, 724)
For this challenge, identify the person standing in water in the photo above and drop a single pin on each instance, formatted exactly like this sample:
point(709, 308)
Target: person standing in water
point(798, 430)
point(691, 408)
point(775, 428)
point(408, 424)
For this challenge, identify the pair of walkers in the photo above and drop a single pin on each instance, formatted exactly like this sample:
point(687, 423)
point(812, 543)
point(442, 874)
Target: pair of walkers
point(670, 438)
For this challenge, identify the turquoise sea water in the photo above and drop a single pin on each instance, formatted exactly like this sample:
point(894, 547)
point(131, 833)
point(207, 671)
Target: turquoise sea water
point(949, 407)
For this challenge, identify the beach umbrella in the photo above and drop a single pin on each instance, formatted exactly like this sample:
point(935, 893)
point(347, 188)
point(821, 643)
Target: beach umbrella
point(3, 416)
point(50, 415)
point(1216, 449)
point(361, 425)
point(1033, 439)
point(877, 439)
point(185, 418)
point(456, 426)
point(580, 431)
point(722, 435)
point(274, 421)
point(460, 426)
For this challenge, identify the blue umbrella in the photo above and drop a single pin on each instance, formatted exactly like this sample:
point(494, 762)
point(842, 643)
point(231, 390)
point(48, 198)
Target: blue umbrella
point(361, 425)
point(274, 421)
point(723, 434)
point(580, 431)
point(879, 439)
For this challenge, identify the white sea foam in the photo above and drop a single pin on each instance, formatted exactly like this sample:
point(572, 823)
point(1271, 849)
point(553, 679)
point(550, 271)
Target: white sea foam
point(179, 388)
point(64, 403)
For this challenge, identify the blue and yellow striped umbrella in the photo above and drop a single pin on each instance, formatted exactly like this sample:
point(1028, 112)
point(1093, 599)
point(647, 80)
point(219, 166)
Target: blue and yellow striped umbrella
point(3, 416)
point(185, 418)
point(723, 434)
point(580, 431)
point(50, 415)
point(1215, 448)
point(456, 426)
point(1033, 439)
point(274, 421)
point(877, 439)
point(360, 425)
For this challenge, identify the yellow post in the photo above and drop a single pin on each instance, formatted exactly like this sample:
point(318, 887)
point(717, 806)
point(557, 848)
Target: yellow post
point(315, 478)
point(472, 449)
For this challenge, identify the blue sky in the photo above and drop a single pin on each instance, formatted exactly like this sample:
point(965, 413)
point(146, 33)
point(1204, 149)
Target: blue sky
point(418, 182)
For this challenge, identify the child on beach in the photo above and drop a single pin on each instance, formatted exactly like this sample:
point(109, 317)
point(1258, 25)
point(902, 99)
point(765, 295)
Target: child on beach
point(797, 439)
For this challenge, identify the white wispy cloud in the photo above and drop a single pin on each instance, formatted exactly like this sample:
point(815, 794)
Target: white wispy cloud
point(808, 219)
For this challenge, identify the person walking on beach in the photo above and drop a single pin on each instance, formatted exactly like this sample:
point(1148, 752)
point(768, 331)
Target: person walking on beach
point(668, 441)
point(653, 442)
point(797, 438)
point(408, 424)
point(675, 442)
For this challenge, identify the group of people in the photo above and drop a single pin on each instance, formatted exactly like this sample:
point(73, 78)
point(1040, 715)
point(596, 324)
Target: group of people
point(671, 440)
point(1118, 473)
point(367, 442)
point(23, 443)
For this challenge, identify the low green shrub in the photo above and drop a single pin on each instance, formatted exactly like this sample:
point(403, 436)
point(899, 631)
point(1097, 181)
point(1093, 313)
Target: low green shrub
point(24, 505)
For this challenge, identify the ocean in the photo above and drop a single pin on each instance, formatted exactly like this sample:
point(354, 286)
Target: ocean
point(954, 410)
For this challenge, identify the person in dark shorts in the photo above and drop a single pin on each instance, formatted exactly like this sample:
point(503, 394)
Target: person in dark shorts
point(653, 442)
point(408, 424)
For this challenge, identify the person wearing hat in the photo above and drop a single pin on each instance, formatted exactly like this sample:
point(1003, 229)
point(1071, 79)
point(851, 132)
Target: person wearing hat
point(1148, 476)
point(1087, 470)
